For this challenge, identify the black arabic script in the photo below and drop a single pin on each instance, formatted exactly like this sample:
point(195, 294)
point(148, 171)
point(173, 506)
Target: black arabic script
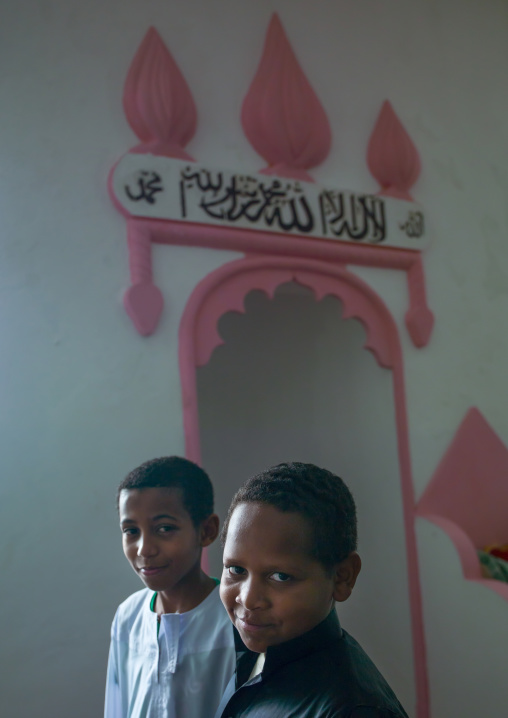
point(147, 185)
point(273, 203)
point(353, 216)
point(414, 225)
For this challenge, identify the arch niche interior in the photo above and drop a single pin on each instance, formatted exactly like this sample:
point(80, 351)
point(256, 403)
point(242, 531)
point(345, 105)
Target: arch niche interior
point(274, 368)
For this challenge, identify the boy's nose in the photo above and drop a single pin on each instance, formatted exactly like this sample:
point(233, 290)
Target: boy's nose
point(252, 595)
point(146, 546)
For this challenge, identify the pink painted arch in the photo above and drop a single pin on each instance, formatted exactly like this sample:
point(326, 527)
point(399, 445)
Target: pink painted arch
point(224, 290)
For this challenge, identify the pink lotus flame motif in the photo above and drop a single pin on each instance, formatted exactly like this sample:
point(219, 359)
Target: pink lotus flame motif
point(282, 116)
point(392, 157)
point(157, 101)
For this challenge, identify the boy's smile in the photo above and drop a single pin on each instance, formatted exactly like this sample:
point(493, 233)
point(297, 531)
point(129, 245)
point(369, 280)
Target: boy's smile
point(159, 538)
point(272, 587)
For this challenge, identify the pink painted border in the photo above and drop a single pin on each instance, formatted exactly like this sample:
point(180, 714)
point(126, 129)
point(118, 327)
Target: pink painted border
point(224, 290)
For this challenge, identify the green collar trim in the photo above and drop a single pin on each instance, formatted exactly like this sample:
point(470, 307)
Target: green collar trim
point(154, 597)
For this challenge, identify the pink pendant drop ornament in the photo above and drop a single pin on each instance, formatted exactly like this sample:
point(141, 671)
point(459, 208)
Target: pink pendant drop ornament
point(143, 301)
point(282, 116)
point(157, 101)
point(392, 157)
point(419, 318)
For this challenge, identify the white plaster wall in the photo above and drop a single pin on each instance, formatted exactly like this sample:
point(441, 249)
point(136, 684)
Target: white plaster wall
point(84, 399)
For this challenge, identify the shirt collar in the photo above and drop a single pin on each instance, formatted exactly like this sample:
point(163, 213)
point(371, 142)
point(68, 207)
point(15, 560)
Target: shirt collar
point(324, 633)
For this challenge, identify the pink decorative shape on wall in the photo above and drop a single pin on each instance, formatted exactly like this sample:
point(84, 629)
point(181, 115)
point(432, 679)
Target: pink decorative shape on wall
point(157, 101)
point(160, 109)
point(232, 295)
point(468, 494)
point(392, 157)
point(282, 116)
point(419, 318)
point(225, 290)
point(141, 232)
point(143, 301)
point(231, 299)
point(286, 123)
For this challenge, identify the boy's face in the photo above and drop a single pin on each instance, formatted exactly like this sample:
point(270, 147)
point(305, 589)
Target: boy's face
point(159, 538)
point(272, 587)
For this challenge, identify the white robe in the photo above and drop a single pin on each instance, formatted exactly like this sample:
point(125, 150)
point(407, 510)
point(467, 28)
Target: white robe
point(182, 673)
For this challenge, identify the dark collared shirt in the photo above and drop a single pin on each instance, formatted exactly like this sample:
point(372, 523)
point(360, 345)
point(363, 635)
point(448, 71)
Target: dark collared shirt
point(322, 674)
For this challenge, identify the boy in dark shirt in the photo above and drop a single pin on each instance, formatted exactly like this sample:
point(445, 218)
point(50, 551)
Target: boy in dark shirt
point(289, 554)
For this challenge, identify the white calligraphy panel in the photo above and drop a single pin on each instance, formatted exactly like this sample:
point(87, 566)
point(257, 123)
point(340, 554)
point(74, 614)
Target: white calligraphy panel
point(170, 189)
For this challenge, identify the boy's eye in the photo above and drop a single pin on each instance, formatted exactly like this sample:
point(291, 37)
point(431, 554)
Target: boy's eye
point(129, 531)
point(281, 577)
point(235, 570)
point(166, 529)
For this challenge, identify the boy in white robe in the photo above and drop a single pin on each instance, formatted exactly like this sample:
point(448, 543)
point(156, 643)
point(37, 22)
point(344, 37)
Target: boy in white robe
point(172, 648)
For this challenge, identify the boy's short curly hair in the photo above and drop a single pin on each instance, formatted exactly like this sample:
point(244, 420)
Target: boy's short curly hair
point(174, 472)
point(322, 497)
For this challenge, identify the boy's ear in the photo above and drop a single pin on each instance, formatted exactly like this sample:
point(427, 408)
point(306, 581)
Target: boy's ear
point(345, 575)
point(209, 530)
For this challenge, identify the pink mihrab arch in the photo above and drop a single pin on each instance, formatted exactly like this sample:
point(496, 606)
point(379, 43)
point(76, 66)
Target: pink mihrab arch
point(286, 124)
point(224, 290)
